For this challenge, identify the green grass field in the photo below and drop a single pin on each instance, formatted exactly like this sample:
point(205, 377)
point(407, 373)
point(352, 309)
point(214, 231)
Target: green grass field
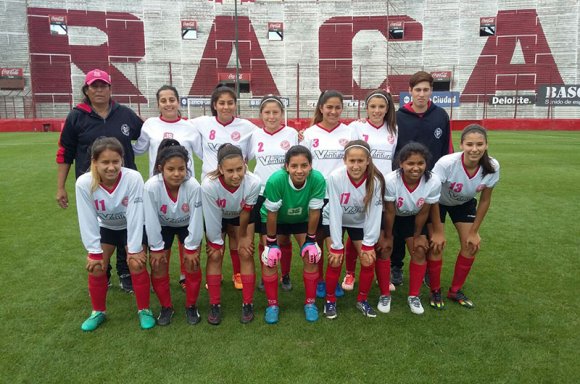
point(525, 328)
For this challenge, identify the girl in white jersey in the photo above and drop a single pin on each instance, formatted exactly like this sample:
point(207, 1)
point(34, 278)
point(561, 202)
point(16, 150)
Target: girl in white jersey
point(228, 194)
point(380, 131)
point(464, 175)
point(110, 211)
point(410, 193)
point(355, 205)
point(172, 201)
point(168, 125)
point(326, 139)
point(269, 146)
point(213, 131)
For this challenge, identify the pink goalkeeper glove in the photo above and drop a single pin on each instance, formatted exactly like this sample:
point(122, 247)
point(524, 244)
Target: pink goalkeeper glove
point(272, 253)
point(311, 249)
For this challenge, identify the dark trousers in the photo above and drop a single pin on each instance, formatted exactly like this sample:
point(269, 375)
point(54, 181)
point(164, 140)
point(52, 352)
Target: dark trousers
point(398, 252)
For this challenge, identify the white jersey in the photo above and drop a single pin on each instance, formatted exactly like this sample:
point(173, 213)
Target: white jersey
point(269, 150)
point(327, 147)
point(409, 202)
point(459, 187)
point(162, 210)
point(346, 208)
point(221, 202)
point(212, 134)
point(155, 129)
point(118, 208)
point(381, 141)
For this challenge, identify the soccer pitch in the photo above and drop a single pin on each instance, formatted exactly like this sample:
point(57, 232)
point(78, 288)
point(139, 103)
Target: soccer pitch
point(524, 283)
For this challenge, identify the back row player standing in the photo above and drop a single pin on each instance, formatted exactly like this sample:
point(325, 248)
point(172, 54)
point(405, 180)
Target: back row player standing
point(326, 139)
point(221, 128)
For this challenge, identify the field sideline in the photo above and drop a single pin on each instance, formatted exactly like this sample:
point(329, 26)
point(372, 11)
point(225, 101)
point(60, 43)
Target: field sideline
point(524, 329)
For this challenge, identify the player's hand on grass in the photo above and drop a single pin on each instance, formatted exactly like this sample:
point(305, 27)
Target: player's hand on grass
point(62, 198)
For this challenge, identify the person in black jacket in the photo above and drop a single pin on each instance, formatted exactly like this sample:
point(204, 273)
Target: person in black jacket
point(424, 122)
point(97, 116)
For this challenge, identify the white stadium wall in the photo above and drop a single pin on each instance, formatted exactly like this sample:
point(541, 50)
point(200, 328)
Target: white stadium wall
point(339, 44)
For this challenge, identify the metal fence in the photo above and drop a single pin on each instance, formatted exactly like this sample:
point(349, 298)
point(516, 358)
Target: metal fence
point(481, 91)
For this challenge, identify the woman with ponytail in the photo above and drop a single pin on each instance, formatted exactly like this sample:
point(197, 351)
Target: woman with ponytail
point(355, 205)
point(463, 175)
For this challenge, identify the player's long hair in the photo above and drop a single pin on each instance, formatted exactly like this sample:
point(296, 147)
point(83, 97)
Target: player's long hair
point(390, 117)
point(216, 95)
point(168, 149)
point(372, 173)
point(99, 146)
point(168, 88)
point(414, 148)
point(225, 151)
point(485, 161)
point(322, 99)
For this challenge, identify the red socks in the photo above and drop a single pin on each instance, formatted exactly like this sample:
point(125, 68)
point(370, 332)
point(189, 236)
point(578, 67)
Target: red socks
point(248, 286)
point(286, 260)
point(366, 281)
point(214, 285)
point(332, 275)
point(192, 284)
point(98, 292)
point(141, 286)
point(235, 261)
point(161, 288)
point(271, 288)
point(416, 274)
point(350, 256)
point(434, 270)
point(462, 268)
point(310, 279)
point(320, 265)
point(383, 269)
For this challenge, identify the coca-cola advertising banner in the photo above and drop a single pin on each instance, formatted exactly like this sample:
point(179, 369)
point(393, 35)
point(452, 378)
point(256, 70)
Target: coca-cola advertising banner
point(11, 73)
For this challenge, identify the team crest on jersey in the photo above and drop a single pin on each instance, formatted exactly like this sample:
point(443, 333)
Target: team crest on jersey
point(125, 201)
point(438, 132)
point(480, 187)
point(420, 202)
point(185, 207)
point(168, 135)
point(125, 130)
point(343, 142)
point(285, 145)
point(391, 139)
point(236, 136)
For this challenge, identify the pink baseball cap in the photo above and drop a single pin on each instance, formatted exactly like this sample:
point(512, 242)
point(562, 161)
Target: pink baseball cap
point(97, 74)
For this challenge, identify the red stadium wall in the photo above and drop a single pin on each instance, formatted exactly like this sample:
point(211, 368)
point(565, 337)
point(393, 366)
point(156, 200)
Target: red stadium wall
point(55, 125)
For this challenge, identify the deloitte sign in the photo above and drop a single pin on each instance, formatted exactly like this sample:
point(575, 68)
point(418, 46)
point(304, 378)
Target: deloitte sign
point(512, 100)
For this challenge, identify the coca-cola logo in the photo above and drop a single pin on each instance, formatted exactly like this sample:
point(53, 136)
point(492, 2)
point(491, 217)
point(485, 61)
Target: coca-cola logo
point(275, 26)
point(11, 72)
point(189, 24)
point(487, 20)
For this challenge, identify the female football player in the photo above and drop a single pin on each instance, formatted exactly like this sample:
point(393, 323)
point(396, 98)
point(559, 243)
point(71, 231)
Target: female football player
point(355, 205)
point(269, 146)
point(172, 201)
point(380, 131)
point(294, 197)
point(228, 194)
point(410, 192)
point(221, 128)
point(464, 175)
point(326, 139)
point(110, 210)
